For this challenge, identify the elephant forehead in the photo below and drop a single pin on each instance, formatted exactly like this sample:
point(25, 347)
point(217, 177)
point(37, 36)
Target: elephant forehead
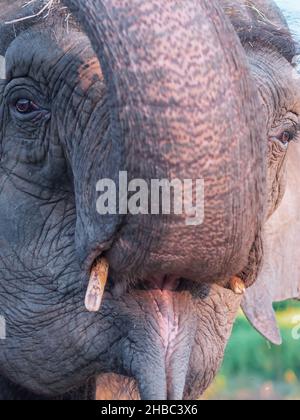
point(34, 50)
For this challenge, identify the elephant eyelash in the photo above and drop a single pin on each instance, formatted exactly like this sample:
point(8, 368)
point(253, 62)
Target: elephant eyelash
point(296, 136)
point(296, 139)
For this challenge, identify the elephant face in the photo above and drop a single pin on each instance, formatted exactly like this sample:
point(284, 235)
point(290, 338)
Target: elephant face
point(270, 49)
point(161, 104)
point(66, 123)
point(283, 126)
point(278, 84)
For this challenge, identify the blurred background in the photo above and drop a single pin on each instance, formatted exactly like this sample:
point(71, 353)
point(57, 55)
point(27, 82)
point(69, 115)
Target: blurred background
point(291, 9)
point(253, 369)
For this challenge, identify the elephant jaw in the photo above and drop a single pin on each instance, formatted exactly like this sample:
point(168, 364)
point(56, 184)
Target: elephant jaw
point(165, 315)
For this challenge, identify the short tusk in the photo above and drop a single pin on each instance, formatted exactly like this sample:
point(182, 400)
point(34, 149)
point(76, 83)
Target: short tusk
point(2, 67)
point(96, 286)
point(237, 286)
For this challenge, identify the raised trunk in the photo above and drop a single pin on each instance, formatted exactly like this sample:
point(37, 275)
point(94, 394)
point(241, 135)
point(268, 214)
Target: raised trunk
point(182, 106)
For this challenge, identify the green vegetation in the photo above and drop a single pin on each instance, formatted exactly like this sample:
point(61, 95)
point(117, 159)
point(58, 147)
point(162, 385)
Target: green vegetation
point(255, 369)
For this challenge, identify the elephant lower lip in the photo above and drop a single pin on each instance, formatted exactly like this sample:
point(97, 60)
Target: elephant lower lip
point(162, 329)
point(161, 337)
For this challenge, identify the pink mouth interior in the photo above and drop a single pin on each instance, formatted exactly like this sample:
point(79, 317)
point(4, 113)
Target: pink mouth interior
point(169, 283)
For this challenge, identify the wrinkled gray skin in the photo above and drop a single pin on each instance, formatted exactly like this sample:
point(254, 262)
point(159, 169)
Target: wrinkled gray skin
point(275, 79)
point(270, 50)
point(170, 341)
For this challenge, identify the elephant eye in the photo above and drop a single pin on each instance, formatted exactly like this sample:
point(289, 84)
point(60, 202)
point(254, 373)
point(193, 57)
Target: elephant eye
point(286, 137)
point(26, 106)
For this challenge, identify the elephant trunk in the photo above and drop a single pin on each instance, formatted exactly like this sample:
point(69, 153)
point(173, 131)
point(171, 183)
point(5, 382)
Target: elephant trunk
point(182, 106)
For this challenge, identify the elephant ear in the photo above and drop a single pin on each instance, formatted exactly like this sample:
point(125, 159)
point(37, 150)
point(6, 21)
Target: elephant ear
point(279, 279)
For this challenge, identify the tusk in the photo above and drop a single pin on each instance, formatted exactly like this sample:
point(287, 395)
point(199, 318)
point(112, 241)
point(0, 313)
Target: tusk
point(96, 286)
point(237, 286)
point(2, 67)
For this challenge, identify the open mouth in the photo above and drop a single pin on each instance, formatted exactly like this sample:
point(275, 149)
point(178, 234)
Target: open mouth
point(167, 282)
point(166, 319)
point(99, 277)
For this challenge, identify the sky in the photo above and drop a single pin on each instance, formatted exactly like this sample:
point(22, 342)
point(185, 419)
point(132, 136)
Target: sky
point(291, 5)
point(291, 9)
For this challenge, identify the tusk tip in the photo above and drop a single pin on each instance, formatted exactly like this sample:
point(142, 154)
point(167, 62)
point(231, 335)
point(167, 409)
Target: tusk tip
point(237, 286)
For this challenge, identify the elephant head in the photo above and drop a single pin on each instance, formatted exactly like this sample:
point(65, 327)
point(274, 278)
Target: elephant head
point(174, 96)
point(165, 103)
point(270, 49)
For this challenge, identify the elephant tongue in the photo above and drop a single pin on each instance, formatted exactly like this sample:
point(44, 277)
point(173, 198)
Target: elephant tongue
point(96, 286)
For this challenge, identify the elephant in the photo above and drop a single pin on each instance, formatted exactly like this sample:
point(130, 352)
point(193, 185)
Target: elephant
point(161, 90)
point(278, 279)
